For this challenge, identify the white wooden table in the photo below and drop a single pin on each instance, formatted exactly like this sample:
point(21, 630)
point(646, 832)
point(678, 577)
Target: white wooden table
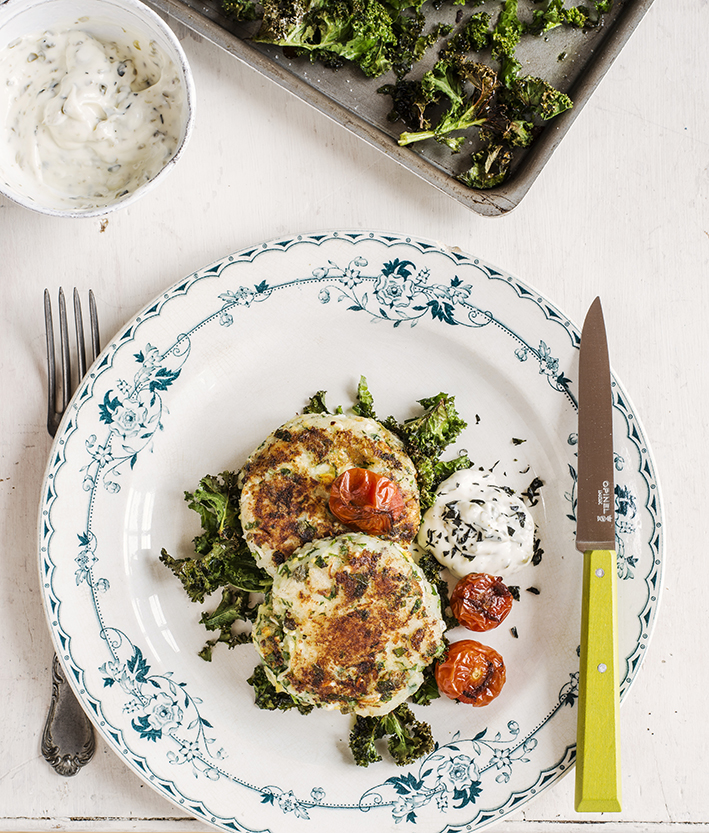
point(622, 210)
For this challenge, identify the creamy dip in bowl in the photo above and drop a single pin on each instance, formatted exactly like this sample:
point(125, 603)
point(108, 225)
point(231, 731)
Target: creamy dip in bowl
point(96, 103)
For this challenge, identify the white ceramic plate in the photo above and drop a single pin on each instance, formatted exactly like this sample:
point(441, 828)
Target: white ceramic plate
point(190, 387)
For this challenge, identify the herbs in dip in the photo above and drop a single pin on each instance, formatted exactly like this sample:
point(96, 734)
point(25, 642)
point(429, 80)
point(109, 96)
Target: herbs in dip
point(478, 526)
point(89, 121)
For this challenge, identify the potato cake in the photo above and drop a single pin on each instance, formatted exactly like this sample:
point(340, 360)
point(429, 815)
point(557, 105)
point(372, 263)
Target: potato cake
point(350, 624)
point(286, 482)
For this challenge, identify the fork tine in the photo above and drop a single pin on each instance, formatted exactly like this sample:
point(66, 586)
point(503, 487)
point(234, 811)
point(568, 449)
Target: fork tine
point(80, 344)
point(54, 414)
point(93, 316)
point(64, 347)
point(51, 365)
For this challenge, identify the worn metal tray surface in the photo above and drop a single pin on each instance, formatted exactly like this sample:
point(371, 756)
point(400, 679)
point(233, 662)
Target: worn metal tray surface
point(574, 61)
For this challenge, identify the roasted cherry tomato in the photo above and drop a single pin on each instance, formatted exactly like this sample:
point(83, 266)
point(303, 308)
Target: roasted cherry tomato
point(366, 501)
point(471, 672)
point(480, 601)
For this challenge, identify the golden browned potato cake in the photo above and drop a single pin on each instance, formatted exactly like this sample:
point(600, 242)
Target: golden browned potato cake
point(350, 624)
point(286, 482)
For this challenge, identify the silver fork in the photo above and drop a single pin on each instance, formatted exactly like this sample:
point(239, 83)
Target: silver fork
point(68, 739)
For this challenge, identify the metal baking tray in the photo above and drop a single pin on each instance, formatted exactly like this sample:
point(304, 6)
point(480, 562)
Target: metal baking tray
point(574, 61)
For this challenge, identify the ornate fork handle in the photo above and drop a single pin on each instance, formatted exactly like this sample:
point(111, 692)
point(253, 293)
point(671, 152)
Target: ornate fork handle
point(66, 716)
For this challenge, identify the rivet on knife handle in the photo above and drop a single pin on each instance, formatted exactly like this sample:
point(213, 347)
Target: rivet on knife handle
point(598, 738)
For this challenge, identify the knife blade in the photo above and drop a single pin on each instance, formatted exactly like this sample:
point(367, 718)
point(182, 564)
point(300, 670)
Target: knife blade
point(598, 731)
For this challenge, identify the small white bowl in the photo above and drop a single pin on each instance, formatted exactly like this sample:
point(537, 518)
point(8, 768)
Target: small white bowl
point(106, 20)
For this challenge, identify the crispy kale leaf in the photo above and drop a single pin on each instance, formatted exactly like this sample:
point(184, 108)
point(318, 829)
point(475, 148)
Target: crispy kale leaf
point(221, 560)
point(426, 437)
point(533, 96)
point(473, 36)
point(235, 606)
point(489, 166)
point(407, 738)
point(431, 569)
point(548, 18)
point(411, 41)
point(556, 13)
point(505, 37)
point(241, 9)
point(222, 556)
point(508, 30)
point(316, 404)
point(266, 696)
point(467, 87)
point(364, 402)
point(331, 30)
point(435, 429)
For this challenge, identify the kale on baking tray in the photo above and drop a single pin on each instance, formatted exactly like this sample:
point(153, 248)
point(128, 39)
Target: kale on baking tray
point(375, 35)
point(557, 13)
point(460, 93)
point(221, 560)
point(466, 88)
point(331, 31)
point(475, 93)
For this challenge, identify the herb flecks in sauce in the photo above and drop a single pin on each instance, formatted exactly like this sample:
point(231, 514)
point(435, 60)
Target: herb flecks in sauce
point(86, 120)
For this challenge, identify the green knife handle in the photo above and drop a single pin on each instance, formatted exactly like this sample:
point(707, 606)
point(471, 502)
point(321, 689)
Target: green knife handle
point(598, 737)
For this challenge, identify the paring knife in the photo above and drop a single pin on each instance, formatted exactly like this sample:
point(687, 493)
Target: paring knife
point(598, 737)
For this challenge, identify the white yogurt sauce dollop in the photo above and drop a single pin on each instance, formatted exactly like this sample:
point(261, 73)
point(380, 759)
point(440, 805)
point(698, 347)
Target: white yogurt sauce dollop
point(88, 120)
point(477, 526)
